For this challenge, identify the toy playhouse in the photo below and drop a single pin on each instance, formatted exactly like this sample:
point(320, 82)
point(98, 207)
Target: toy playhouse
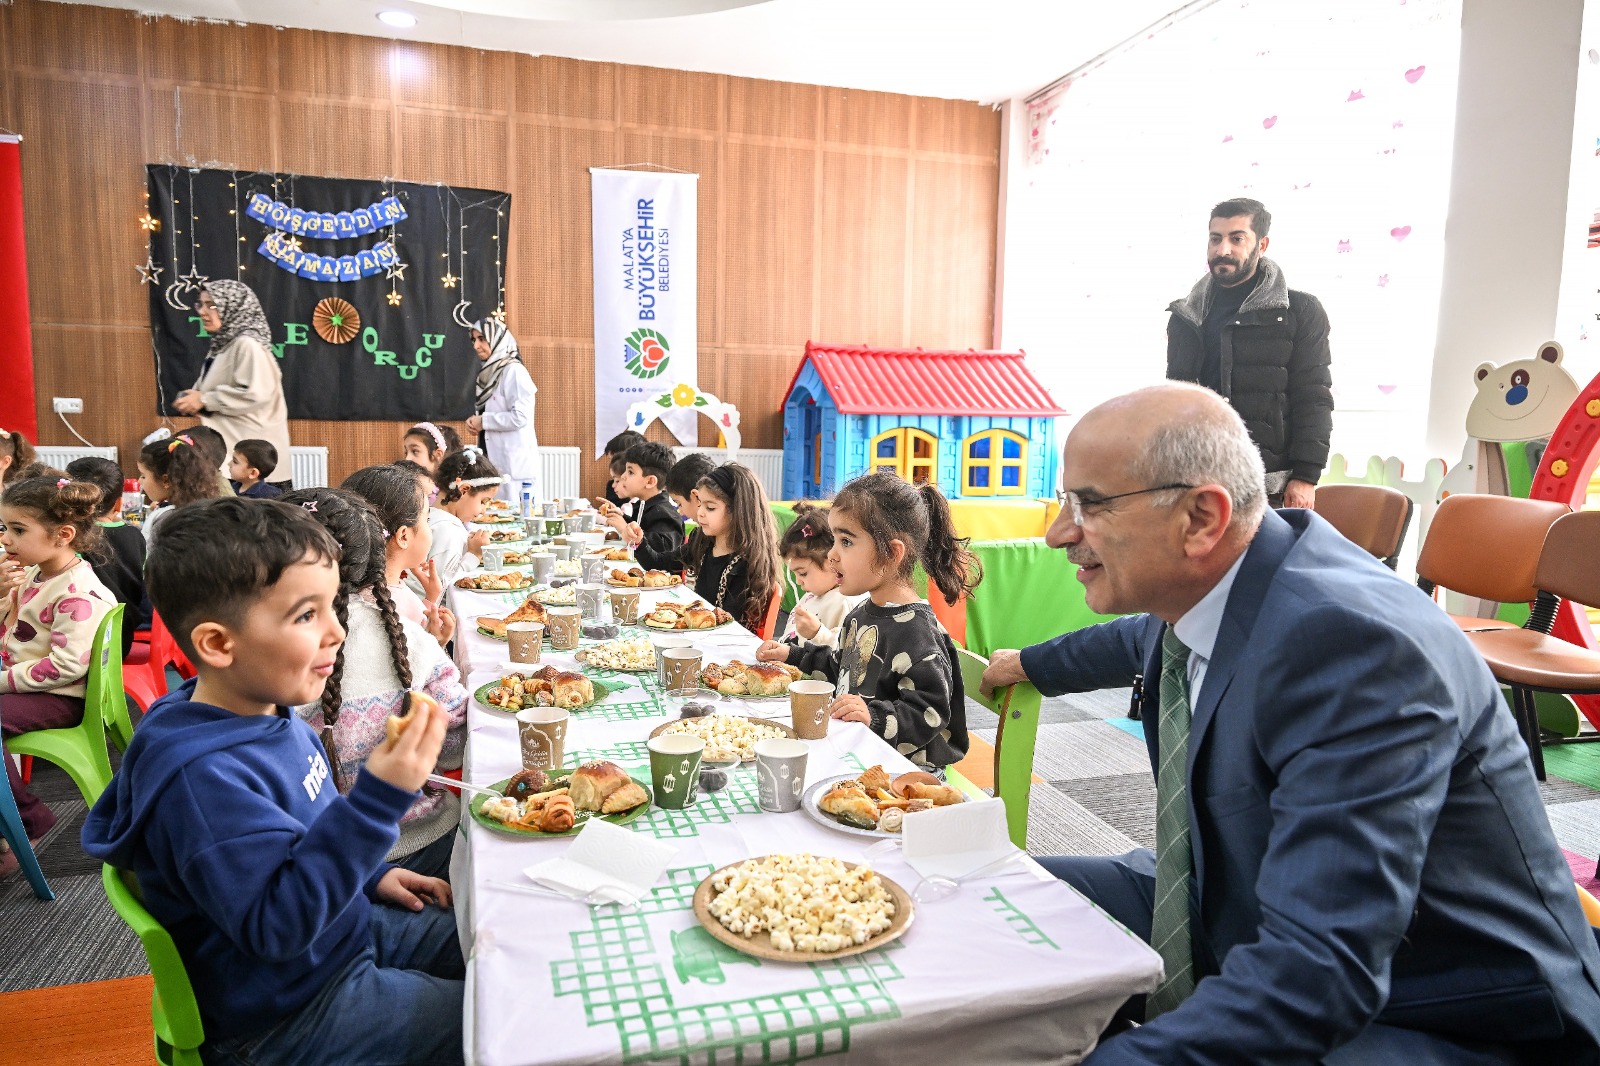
point(977, 424)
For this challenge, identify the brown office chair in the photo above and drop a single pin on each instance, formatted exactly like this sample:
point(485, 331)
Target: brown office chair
point(1488, 547)
point(1373, 517)
point(1529, 659)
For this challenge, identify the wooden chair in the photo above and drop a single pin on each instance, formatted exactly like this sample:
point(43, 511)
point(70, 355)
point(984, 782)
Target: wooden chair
point(1488, 547)
point(1530, 659)
point(1373, 517)
point(173, 1010)
point(1018, 707)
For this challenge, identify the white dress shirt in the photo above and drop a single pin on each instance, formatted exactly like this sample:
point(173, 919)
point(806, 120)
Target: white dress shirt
point(1199, 626)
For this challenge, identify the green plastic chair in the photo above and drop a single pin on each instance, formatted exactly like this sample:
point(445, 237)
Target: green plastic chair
point(173, 1010)
point(80, 750)
point(1018, 707)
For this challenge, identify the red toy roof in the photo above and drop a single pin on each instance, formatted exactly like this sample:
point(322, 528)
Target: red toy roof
point(867, 381)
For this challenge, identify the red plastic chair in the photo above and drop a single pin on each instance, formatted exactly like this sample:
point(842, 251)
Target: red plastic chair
point(144, 672)
point(954, 619)
point(770, 623)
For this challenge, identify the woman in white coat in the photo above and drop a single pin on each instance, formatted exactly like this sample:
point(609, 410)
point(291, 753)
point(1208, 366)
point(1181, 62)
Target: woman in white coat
point(504, 421)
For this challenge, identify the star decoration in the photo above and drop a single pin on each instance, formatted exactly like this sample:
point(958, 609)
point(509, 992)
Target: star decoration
point(394, 299)
point(194, 280)
point(499, 314)
point(398, 270)
point(293, 243)
point(449, 280)
point(151, 224)
point(149, 273)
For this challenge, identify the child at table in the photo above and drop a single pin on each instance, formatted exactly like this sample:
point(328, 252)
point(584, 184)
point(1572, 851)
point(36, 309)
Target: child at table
point(252, 463)
point(427, 443)
point(731, 559)
point(683, 479)
point(805, 547)
point(629, 508)
point(383, 658)
point(657, 535)
point(265, 875)
point(616, 448)
point(51, 606)
point(120, 567)
point(895, 668)
point(173, 472)
point(466, 481)
point(402, 508)
point(15, 454)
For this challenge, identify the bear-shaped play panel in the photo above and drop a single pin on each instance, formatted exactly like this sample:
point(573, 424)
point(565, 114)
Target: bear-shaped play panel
point(1523, 399)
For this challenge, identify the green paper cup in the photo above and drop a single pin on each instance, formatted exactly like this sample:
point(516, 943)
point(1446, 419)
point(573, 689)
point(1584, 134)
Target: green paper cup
point(675, 769)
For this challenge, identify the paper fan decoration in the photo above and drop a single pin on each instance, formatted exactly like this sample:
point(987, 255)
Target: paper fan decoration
point(336, 320)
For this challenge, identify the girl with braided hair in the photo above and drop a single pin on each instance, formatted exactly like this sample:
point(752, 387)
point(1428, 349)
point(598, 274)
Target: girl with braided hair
point(383, 658)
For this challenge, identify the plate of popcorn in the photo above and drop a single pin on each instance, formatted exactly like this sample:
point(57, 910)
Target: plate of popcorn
point(553, 803)
point(873, 804)
point(634, 656)
point(802, 908)
point(568, 568)
point(565, 596)
point(728, 737)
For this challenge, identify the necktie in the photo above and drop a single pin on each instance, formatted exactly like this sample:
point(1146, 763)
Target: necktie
point(1169, 927)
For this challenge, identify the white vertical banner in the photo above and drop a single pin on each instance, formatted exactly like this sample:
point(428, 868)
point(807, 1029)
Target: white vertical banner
point(646, 336)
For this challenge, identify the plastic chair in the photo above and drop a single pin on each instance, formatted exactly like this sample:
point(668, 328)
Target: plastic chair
point(11, 828)
point(1530, 659)
point(1018, 707)
point(1488, 547)
point(80, 750)
point(1373, 517)
point(770, 623)
point(954, 619)
point(173, 1010)
point(145, 677)
point(1590, 905)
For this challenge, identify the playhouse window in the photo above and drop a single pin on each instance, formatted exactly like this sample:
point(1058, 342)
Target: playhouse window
point(992, 464)
point(911, 453)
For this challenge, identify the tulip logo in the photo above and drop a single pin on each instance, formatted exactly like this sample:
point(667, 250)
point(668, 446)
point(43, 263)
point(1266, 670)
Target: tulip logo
point(647, 353)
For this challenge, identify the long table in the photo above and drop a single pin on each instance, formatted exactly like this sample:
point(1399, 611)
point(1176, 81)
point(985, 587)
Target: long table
point(1014, 967)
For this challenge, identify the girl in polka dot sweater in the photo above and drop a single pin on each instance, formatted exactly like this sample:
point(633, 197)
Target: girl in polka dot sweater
point(895, 667)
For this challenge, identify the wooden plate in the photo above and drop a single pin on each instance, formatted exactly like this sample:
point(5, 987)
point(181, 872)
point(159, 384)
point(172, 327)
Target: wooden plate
point(581, 819)
point(811, 803)
point(787, 732)
point(601, 691)
point(761, 947)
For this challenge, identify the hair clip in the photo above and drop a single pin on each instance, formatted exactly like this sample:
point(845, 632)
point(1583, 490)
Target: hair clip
point(310, 505)
point(805, 530)
point(471, 453)
point(385, 533)
point(179, 439)
point(60, 481)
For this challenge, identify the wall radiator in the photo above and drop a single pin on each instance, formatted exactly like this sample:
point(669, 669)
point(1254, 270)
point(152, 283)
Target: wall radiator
point(767, 463)
point(60, 456)
point(307, 466)
point(558, 467)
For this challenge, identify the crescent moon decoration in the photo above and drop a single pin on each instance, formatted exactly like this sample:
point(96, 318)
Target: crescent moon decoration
point(460, 314)
point(336, 321)
point(176, 305)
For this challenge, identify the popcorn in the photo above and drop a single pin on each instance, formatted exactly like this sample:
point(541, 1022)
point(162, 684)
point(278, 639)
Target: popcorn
point(805, 902)
point(622, 655)
point(726, 736)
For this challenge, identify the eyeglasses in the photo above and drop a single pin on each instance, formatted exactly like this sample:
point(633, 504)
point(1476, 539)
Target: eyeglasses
point(1090, 507)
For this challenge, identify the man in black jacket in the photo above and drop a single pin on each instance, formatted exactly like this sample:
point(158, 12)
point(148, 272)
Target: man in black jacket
point(1244, 334)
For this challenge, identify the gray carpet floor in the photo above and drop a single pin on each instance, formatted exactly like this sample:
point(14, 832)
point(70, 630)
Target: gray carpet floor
point(1097, 798)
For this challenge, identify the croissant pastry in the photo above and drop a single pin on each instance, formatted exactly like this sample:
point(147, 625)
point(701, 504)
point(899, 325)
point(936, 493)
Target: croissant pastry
point(874, 779)
point(941, 795)
point(558, 815)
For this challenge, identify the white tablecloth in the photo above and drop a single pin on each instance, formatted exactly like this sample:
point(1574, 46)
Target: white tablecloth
point(1013, 968)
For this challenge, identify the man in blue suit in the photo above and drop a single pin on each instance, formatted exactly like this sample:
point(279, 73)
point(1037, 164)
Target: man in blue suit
point(1353, 864)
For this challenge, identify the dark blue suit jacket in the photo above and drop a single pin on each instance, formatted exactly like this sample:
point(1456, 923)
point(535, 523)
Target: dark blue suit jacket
point(1369, 841)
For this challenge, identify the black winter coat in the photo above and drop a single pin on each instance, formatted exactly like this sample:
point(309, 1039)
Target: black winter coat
point(1274, 368)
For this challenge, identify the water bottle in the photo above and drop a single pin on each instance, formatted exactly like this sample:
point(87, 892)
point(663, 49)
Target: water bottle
point(527, 500)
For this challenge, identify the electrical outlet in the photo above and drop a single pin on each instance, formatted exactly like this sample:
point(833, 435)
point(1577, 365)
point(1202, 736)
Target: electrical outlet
point(68, 405)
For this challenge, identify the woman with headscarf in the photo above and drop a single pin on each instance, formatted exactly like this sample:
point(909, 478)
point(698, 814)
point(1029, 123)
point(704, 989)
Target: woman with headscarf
point(504, 420)
point(240, 391)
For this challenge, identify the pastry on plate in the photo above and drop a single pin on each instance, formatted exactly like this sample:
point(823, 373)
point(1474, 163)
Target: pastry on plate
point(659, 579)
point(625, 798)
point(631, 578)
point(594, 782)
point(847, 802)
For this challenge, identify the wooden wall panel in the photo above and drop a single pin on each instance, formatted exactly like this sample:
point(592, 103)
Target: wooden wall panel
point(824, 213)
point(222, 55)
point(210, 127)
point(766, 251)
point(862, 254)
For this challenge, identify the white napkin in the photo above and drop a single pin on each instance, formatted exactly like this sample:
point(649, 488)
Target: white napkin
point(612, 863)
point(956, 840)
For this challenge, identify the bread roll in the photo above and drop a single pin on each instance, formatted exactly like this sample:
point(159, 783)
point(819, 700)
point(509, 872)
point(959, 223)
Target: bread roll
point(399, 723)
point(571, 690)
point(592, 782)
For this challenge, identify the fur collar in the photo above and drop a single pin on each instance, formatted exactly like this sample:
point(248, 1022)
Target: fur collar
point(1271, 293)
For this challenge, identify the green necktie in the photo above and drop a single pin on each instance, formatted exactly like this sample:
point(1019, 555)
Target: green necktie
point(1169, 926)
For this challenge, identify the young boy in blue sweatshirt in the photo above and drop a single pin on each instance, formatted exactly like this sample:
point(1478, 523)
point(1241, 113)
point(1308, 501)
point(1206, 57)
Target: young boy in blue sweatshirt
point(657, 535)
point(302, 944)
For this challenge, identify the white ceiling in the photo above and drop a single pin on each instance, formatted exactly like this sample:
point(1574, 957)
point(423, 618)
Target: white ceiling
point(984, 50)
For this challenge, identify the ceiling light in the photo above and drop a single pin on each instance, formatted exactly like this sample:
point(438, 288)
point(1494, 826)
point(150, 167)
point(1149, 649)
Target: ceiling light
point(400, 20)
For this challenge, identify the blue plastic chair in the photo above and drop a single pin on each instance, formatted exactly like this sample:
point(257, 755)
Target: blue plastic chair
point(17, 837)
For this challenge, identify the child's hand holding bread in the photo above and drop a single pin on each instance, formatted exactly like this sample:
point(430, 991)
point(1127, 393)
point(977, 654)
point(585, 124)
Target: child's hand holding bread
point(409, 754)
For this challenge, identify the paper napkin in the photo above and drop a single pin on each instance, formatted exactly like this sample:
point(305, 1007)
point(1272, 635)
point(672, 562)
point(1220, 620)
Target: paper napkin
point(956, 840)
point(607, 861)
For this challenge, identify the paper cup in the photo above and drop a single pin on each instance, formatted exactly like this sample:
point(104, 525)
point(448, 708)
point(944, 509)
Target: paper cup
point(565, 627)
point(594, 568)
point(552, 509)
point(675, 769)
point(590, 596)
point(573, 503)
point(544, 567)
point(625, 606)
point(681, 668)
point(525, 640)
point(808, 707)
point(661, 643)
point(780, 774)
point(586, 520)
point(494, 557)
point(561, 550)
point(543, 733)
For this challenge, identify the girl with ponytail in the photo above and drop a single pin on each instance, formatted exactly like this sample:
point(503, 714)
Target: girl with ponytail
point(383, 658)
point(895, 668)
point(173, 472)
